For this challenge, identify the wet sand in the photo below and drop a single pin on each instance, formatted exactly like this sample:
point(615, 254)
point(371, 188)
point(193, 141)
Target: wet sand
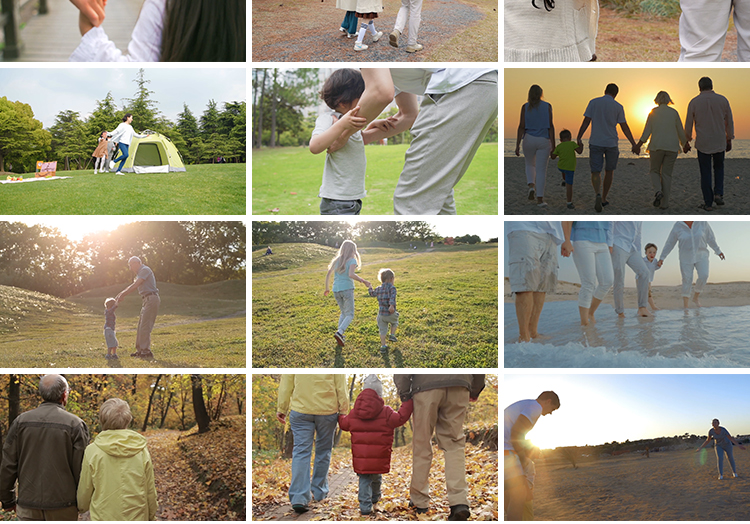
point(631, 192)
point(670, 485)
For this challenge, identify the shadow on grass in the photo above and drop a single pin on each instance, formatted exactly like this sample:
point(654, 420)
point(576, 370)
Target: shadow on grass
point(338, 359)
point(398, 359)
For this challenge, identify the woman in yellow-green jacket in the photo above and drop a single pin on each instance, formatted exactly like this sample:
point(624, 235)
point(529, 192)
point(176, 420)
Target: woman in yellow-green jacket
point(314, 402)
point(117, 476)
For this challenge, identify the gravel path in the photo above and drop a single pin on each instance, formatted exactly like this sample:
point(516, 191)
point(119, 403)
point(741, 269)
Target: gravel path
point(311, 34)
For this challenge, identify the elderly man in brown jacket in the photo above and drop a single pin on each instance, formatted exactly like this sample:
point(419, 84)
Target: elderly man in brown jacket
point(44, 451)
point(440, 403)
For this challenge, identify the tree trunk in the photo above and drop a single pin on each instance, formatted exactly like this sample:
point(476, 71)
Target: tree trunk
point(2, 162)
point(272, 142)
point(199, 406)
point(14, 397)
point(150, 402)
point(260, 109)
point(166, 410)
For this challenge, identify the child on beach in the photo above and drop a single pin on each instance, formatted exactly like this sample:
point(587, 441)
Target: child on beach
point(343, 184)
point(367, 10)
point(387, 314)
point(371, 424)
point(109, 328)
point(169, 31)
point(343, 266)
point(567, 150)
point(100, 153)
point(117, 475)
point(652, 264)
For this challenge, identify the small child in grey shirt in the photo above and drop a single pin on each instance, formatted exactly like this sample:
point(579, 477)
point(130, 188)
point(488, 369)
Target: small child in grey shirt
point(109, 328)
point(343, 184)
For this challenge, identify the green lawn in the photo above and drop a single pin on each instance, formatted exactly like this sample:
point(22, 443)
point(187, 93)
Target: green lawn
point(289, 178)
point(207, 189)
point(447, 301)
point(197, 326)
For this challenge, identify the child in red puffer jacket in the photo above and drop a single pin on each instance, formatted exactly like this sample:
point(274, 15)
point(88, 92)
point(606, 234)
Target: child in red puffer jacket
point(371, 424)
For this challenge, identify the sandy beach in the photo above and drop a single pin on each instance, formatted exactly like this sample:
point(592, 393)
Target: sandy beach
point(670, 485)
point(631, 192)
point(665, 297)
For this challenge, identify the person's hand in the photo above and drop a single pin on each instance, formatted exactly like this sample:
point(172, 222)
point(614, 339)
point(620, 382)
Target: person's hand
point(367, 283)
point(729, 146)
point(281, 417)
point(391, 310)
point(93, 10)
point(721, 256)
point(686, 147)
point(518, 150)
point(352, 121)
point(84, 24)
point(567, 248)
point(579, 142)
point(636, 149)
point(473, 399)
point(325, 293)
point(381, 125)
point(659, 263)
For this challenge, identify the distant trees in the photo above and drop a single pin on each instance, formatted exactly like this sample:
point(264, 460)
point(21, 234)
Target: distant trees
point(329, 233)
point(41, 259)
point(23, 140)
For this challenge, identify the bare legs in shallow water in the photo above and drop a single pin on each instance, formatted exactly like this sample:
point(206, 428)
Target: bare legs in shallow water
point(529, 306)
point(587, 313)
point(686, 301)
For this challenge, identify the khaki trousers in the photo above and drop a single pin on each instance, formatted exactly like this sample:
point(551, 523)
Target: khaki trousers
point(441, 411)
point(146, 322)
point(69, 513)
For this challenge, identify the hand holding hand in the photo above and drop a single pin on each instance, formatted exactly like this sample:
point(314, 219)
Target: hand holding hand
point(659, 263)
point(518, 150)
point(281, 417)
point(367, 283)
point(381, 125)
point(686, 147)
point(93, 10)
point(721, 256)
point(567, 248)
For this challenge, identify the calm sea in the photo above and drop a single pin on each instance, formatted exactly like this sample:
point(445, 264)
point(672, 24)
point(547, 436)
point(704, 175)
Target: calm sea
point(740, 149)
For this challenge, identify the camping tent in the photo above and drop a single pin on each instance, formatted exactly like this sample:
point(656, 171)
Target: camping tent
point(153, 154)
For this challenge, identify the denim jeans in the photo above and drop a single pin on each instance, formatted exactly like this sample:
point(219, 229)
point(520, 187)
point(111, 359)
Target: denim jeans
point(345, 300)
point(122, 158)
point(704, 162)
point(369, 491)
point(305, 429)
point(720, 458)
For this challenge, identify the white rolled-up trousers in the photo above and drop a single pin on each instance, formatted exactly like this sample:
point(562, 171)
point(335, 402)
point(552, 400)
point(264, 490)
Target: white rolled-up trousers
point(686, 268)
point(594, 265)
point(703, 29)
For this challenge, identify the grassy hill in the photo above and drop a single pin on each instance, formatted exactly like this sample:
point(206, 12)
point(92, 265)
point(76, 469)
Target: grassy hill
point(206, 189)
point(447, 300)
point(197, 326)
point(288, 178)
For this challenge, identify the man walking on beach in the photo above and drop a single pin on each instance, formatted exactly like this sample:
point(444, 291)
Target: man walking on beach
point(145, 282)
point(714, 131)
point(532, 258)
point(520, 418)
point(627, 250)
point(604, 114)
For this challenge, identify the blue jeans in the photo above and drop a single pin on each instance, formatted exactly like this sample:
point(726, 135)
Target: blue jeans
point(305, 429)
point(720, 457)
point(369, 491)
point(345, 300)
point(704, 161)
point(123, 156)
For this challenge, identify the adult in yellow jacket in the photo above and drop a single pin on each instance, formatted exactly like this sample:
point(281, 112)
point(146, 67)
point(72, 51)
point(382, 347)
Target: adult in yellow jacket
point(117, 476)
point(314, 402)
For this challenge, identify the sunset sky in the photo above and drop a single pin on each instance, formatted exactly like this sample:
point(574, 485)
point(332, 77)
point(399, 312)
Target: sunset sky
point(569, 91)
point(595, 409)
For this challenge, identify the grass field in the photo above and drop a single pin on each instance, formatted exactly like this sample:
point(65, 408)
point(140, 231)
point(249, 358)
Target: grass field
point(197, 326)
point(207, 189)
point(447, 301)
point(289, 179)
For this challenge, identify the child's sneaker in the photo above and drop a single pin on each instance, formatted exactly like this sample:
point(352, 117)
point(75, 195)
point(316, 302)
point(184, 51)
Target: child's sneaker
point(571, 206)
point(359, 46)
point(340, 339)
point(377, 36)
point(392, 338)
point(383, 349)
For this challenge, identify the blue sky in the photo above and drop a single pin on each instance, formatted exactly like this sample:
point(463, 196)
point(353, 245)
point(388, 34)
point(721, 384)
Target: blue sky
point(51, 90)
point(595, 409)
point(733, 238)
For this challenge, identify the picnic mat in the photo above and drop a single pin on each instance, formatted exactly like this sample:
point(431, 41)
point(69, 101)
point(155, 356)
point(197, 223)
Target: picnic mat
point(33, 180)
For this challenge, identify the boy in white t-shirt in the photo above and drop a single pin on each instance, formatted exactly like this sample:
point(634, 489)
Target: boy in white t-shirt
point(652, 264)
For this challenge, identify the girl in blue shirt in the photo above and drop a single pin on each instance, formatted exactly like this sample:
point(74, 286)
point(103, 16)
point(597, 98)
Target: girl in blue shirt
point(343, 266)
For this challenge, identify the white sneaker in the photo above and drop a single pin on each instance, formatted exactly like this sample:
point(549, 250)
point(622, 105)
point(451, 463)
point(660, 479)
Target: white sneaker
point(377, 36)
point(359, 46)
point(94, 171)
point(120, 173)
point(111, 164)
point(414, 48)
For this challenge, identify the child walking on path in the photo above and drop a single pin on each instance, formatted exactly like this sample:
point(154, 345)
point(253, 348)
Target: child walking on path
point(109, 328)
point(387, 314)
point(100, 153)
point(349, 25)
point(343, 266)
point(567, 150)
point(371, 424)
point(368, 10)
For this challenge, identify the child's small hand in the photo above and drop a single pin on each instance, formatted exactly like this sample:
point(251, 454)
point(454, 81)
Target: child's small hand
point(93, 10)
point(325, 293)
point(391, 310)
point(352, 121)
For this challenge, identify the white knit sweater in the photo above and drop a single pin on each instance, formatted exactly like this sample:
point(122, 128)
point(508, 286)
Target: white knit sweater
point(567, 33)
